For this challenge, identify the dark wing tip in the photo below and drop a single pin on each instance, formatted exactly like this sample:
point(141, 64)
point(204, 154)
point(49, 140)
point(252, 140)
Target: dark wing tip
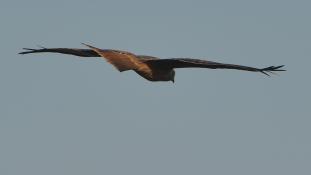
point(27, 50)
point(271, 69)
point(87, 45)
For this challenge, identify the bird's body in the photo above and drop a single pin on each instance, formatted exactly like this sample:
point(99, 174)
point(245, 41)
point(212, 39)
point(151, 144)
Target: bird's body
point(149, 67)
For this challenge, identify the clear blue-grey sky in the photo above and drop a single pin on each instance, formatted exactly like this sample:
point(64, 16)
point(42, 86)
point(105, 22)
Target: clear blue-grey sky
point(62, 115)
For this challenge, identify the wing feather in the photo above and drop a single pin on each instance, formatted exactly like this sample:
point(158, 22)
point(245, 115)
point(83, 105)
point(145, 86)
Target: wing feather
point(197, 63)
point(121, 60)
point(69, 51)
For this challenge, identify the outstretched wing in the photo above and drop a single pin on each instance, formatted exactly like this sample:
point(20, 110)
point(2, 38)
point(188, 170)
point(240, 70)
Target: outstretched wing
point(196, 63)
point(70, 51)
point(122, 60)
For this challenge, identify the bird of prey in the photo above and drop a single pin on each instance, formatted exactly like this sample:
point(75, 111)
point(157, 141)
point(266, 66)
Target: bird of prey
point(149, 67)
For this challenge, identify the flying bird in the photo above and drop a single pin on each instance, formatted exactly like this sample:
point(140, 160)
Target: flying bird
point(149, 67)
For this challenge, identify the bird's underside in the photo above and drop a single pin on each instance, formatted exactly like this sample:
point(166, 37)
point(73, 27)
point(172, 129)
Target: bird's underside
point(149, 67)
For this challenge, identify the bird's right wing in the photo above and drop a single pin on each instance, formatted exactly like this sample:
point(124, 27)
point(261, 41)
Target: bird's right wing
point(121, 60)
point(70, 51)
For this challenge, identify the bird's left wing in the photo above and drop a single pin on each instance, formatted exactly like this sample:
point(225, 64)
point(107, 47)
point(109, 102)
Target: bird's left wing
point(197, 63)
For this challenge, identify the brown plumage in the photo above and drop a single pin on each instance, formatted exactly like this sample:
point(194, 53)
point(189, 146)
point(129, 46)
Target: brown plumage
point(151, 68)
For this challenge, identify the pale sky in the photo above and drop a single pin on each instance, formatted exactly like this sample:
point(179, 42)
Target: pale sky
point(62, 115)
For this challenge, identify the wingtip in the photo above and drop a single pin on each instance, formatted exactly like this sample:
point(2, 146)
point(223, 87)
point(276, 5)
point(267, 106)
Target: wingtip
point(282, 69)
point(27, 50)
point(278, 68)
point(87, 45)
point(91, 47)
point(265, 73)
point(271, 69)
